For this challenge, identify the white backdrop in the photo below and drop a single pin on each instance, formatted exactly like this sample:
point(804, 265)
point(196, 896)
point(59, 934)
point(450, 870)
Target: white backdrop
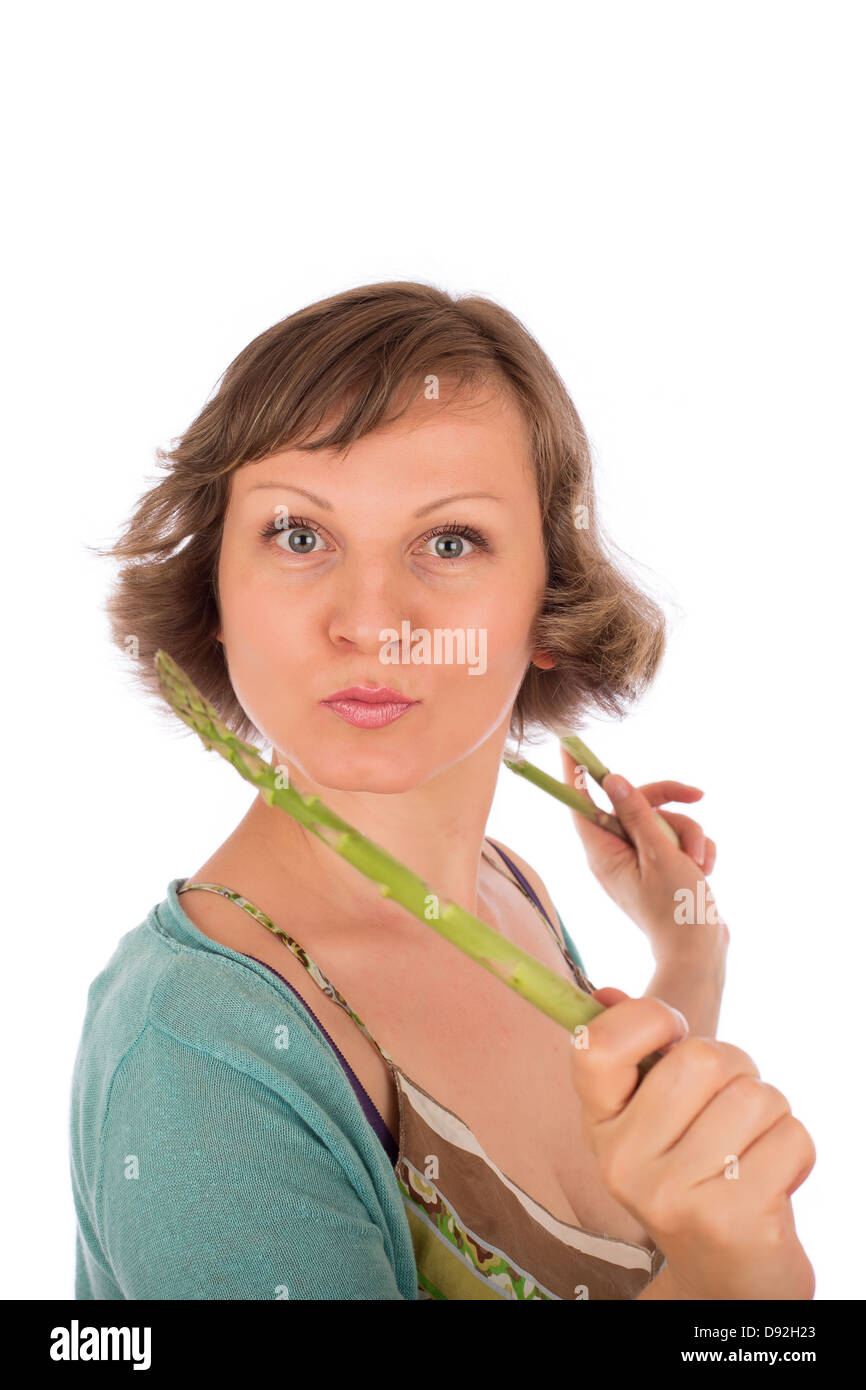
point(670, 197)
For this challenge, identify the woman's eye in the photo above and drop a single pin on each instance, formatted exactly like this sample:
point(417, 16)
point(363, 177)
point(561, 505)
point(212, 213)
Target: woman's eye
point(453, 542)
point(300, 540)
point(300, 535)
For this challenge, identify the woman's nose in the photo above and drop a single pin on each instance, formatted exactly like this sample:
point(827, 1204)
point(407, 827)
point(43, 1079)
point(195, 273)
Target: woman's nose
point(364, 606)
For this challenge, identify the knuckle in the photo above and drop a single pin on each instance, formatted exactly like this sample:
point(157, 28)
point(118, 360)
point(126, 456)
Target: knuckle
point(801, 1140)
point(756, 1099)
point(748, 1092)
point(777, 1102)
point(664, 1011)
point(703, 1057)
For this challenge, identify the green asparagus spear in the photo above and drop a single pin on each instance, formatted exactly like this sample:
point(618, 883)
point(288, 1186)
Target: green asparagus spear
point(559, 999)
point(577, 800)
point(570, 795)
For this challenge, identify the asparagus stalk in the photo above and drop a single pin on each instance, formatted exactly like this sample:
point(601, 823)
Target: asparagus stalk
point(597, 771)
point(581, 754)
point(559, 999)
point(570, 795)
point(577, 800)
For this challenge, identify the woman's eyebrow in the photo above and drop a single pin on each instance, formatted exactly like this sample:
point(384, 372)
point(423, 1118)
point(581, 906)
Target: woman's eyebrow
point(328, 506)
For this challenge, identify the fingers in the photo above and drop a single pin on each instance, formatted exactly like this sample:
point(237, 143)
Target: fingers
point(657, 793)
point(691, 835)
point(609, 995)
point(638, 819)
point(778, 1161)
point(810, 1156)
point(678, 1088)
point(695, 843)
point(608, 1049)
point(738, 1114)
point(602, 846)
point(692, 839)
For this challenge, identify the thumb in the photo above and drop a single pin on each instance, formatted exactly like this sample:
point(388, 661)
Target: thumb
point(637, 817)
point(608, 995)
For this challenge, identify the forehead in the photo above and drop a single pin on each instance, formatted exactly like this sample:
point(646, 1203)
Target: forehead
point(449, 433)
point(487, 406)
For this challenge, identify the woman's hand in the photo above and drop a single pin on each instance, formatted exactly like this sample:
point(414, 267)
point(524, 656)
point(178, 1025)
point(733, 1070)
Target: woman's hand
point(703, 1153)
point(660, 887)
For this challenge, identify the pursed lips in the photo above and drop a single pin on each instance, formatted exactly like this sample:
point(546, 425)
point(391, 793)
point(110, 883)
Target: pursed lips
point(370, 695)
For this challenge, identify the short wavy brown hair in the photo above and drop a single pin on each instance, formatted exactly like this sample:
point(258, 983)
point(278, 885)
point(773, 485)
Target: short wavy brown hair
point(358, 353)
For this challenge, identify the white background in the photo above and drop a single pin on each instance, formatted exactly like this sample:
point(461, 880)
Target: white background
point(670, 198)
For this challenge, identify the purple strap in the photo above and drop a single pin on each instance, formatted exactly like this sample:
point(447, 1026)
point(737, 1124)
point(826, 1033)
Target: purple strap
point(521, 878)
point(372, 1114)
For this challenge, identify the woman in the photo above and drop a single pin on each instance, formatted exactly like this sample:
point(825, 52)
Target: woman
point(389, 486)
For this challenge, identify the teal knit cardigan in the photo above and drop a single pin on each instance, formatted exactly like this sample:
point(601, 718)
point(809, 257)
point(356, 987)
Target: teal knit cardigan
point(217, 1149)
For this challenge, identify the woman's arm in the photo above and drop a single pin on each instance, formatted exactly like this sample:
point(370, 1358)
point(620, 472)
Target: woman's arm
point(212, 1186)
point(692, 981)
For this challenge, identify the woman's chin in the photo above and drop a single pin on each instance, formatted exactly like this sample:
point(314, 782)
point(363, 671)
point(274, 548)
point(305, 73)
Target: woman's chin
point(388, 776)
point(316, 766)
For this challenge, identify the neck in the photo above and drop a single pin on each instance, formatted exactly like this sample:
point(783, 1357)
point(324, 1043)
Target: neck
point(436, 829)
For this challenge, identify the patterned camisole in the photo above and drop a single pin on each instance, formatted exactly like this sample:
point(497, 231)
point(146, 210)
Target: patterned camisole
point(475, 1233)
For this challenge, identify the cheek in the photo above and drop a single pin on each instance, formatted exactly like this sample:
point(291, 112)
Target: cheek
point(505, 624)
point(479, 692)
point(256, 612)
point(265, 647)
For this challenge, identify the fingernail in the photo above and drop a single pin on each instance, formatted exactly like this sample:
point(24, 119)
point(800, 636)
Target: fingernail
point(684, 1023)
point(616, 787)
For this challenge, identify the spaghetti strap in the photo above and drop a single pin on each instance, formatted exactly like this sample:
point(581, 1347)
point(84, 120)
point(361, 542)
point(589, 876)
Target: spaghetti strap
point(321, 978)
point(297, 950)
point(523, 883)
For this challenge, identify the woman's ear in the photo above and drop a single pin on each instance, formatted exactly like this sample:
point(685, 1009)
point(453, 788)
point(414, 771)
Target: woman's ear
point(543, 660)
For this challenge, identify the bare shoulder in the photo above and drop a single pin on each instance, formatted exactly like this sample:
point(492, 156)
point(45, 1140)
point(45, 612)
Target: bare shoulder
point(535, 882)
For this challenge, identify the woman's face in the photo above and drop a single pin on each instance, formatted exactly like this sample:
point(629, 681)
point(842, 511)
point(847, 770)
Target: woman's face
point(369, 598)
